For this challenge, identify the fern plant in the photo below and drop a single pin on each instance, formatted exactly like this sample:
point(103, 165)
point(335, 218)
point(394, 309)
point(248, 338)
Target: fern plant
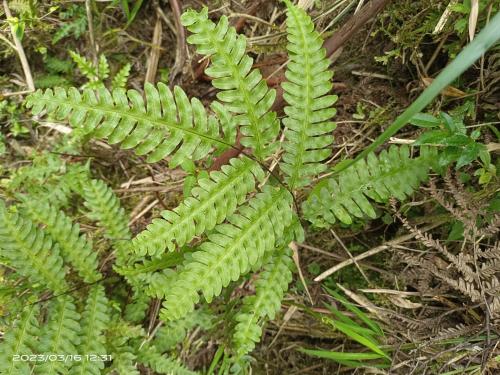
point(52, 260)
point(97, 74)
point(235, 222)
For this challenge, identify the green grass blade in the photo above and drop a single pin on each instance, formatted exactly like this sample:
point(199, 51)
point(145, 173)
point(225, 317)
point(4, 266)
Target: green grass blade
point(365, 340)
point(347, 321)
point(472, 52)
point(358, 312)
point(348, 359)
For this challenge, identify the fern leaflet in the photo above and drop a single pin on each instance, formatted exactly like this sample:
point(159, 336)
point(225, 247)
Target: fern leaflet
point(244, 91)
point(59, 336)
point(269, 291)
point(105, 208)
point(121, 77)
point(160, 363)
point(94, 321)
point(210, 203)
point(167, 125)
point(231, 250)
point(20, 339)
point(30, 250)
point(308, 125)
point(75, 248)
point(393, 173)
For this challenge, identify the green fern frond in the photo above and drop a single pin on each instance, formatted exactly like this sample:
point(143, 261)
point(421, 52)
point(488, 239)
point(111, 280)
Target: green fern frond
point(102, 68)
point(124, 361)
point(121, 77)
point(269, 291)
point(48, 178)
point(30, 250)
point(119, 343)
point(85, 66)
point(392, 174)
point(55, 65)
point(169, 124)
point(59, 336)
point(210, 203)
point(95, 318)
point(152, 358)
point(308, 126)
point(174, 332)
point(243, 89)
point(75, 248)
point(158, 283)
point(231, 250)
point(104, 207)
point(136, 310)
point(155, 264)
point(20, 339)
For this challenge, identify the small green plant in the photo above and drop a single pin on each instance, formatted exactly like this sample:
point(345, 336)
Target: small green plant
point(97, 74)
point(46, 247)
point(75, 23)
point(362, 330)
point(457, 146)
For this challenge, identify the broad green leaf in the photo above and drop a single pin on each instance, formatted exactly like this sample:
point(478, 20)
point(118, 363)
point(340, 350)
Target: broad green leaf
point(425, 120)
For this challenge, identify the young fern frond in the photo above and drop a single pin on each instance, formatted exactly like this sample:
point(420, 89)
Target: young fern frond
point(308, 126)
point(231, 251)
point(211, 201)
point(75, 248)
point(167, 124)
point(160, 363)
point(102, 68)
point(30, 250)
point(121, 77)
point(95, 318)
point(269, 291)
point(85, 66)
point(59, 336)
point(104, 207)
point(20, 339)
point(392, 174)
point(244, 91)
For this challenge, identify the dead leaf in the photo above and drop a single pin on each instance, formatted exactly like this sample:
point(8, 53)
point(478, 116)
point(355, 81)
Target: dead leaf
point(474, 13)
point(450, 91)
point(404, 303)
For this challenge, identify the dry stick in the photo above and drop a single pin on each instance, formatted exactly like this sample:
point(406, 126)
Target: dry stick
point(375, 250)
point(339, 240)
point(20, 51)
point(90, 22)
point(154, 54)
point(180, 52)
point(353, 25)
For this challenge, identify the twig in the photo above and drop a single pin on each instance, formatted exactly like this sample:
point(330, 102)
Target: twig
point(20, 51)
point(143, 212)
point(180, 52)
point(293, 245)
point(353, 25)
point(375, 250)
point(350, 255)
point(154, 54)
point(90, 22)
